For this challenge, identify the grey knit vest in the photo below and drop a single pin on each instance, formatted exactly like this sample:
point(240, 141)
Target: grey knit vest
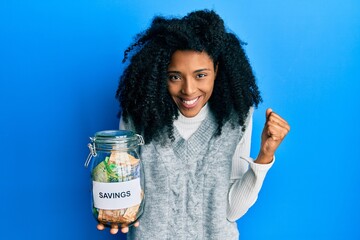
point(187, 184)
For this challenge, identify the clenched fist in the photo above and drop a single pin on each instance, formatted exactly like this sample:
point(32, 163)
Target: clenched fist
point(274, 132)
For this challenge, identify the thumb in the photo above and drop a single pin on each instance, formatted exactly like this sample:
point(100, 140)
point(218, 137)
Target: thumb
point(268, 112)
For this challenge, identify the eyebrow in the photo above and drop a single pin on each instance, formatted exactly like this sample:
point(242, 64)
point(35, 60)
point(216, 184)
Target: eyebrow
point(196, 71)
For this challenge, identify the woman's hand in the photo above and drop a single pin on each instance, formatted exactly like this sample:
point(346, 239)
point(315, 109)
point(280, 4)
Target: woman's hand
point(275, 130)
point(115, 228)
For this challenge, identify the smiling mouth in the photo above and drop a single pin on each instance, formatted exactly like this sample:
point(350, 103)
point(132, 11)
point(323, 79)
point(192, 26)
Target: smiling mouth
point(190, 103)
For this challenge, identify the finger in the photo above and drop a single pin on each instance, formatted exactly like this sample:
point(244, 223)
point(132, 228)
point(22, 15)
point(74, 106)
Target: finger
point(273, 133)
point(100, 226)
point(114, 228)
point(271, 114)
point(279, 120)
point(125, 229)
point(273, 119)
point(268, 112)
point(276, 132)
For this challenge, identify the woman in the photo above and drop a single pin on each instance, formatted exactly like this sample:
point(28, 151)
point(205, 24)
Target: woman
point(189, 90)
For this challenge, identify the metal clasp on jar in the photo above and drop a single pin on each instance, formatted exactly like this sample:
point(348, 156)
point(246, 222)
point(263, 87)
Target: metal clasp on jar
point(92, 153)
point(141, 139)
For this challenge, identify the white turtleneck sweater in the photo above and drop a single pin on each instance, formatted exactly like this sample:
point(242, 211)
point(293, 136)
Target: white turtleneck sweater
point(247, 176)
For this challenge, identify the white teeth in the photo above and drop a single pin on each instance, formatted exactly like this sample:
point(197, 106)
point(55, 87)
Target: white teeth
point(190, 102)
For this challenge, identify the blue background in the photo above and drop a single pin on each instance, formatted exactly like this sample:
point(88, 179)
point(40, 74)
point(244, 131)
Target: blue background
point(59, 69)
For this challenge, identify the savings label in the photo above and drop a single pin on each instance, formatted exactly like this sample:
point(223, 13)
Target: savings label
point(116, 195)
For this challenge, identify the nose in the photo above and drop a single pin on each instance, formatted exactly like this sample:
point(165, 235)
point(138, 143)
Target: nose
point(188, 87)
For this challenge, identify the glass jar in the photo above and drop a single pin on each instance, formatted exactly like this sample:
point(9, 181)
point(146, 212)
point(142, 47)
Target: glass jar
point(117, 177)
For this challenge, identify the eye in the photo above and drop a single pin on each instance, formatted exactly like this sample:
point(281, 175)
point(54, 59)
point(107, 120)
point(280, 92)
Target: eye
point(201, 75)
point(174, 77)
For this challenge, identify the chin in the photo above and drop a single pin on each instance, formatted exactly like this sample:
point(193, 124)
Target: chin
point(189, 114)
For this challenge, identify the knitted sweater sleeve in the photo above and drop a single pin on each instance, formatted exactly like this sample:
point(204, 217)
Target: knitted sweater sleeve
point(246, 176)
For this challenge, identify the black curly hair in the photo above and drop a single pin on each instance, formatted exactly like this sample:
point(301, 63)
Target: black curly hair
point(143, 93)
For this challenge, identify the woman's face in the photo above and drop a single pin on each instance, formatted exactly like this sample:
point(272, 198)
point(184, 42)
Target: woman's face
point(191, 77)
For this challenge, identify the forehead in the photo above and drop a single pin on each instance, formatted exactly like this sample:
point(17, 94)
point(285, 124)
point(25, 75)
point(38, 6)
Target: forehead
point(188, 59)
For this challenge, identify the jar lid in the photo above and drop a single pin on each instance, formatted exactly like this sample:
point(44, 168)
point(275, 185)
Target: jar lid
point(117, 134)
point(113, 140)
point(117, 137)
